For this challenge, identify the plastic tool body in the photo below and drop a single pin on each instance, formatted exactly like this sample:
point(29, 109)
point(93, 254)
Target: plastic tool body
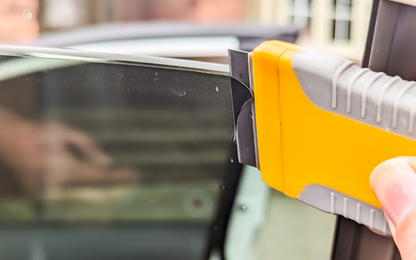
point(323, 124)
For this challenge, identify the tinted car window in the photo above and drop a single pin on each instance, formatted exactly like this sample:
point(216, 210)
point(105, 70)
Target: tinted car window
point(102, 161)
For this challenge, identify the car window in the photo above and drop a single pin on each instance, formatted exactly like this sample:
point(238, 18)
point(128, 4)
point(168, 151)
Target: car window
point(265, 224)
point(101, 160)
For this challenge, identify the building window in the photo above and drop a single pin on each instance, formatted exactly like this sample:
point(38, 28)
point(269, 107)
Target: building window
point(300, 13)
point(341, 20)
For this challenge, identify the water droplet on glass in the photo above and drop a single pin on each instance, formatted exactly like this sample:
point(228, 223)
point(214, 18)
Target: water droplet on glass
point(222, 187)
point(217, 89)
point(156, 73)
point(232, 160)
point(244, 208)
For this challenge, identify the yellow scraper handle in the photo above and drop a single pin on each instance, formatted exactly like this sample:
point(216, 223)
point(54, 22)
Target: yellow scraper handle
point(322, 155)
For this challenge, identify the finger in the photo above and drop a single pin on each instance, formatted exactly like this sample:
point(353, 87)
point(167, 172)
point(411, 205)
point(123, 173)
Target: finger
point(405, 236)
point(79, 173)
point(81, 141)
point(394, 184)
point(88, 148)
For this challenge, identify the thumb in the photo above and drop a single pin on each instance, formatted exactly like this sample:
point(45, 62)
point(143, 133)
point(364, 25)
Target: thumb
point(394, 184)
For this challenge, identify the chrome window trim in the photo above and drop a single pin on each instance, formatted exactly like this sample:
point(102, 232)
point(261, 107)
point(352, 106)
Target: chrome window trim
point(100, 57)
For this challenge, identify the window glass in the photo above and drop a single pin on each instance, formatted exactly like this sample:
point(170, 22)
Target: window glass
point(297, 230)
point(86, 144)
point(300, 14)
point(341, 22)
point(265, 225)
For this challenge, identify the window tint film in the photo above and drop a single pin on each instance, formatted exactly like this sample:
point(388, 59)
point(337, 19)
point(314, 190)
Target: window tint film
point(109, 161)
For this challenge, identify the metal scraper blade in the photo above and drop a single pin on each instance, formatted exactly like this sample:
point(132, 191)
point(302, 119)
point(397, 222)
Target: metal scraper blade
point(242, 96)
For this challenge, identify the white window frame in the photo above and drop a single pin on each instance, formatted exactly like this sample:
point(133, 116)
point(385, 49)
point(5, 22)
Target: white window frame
point(342, 16)
point(301, 11)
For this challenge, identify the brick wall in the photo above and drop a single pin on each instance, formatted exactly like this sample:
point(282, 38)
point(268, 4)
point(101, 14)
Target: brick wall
point(191, 10)
point(101, 11)
point(13, 28)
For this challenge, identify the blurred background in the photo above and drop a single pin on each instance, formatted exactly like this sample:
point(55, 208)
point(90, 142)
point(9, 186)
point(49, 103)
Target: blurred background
point(334, 26)
point(167, 141)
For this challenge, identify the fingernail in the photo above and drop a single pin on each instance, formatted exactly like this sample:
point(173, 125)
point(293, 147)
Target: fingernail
point(394, 184)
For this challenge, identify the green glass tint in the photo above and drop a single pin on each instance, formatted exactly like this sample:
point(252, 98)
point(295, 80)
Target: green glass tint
point(96, 141)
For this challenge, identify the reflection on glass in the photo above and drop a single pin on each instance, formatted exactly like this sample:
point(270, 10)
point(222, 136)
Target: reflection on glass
point(111, 143)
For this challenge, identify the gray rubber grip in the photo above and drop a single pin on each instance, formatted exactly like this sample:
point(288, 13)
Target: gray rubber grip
point(338, 86)
point(334, 202)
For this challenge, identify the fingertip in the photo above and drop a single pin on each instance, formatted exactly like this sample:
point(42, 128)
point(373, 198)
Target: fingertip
point(391, 226)
point(405, 235)
point(394, 184)
point(384, 170)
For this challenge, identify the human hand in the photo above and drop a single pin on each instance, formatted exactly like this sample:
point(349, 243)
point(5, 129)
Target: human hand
point(394, 184)
point(70, 157)
point(46, 156)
